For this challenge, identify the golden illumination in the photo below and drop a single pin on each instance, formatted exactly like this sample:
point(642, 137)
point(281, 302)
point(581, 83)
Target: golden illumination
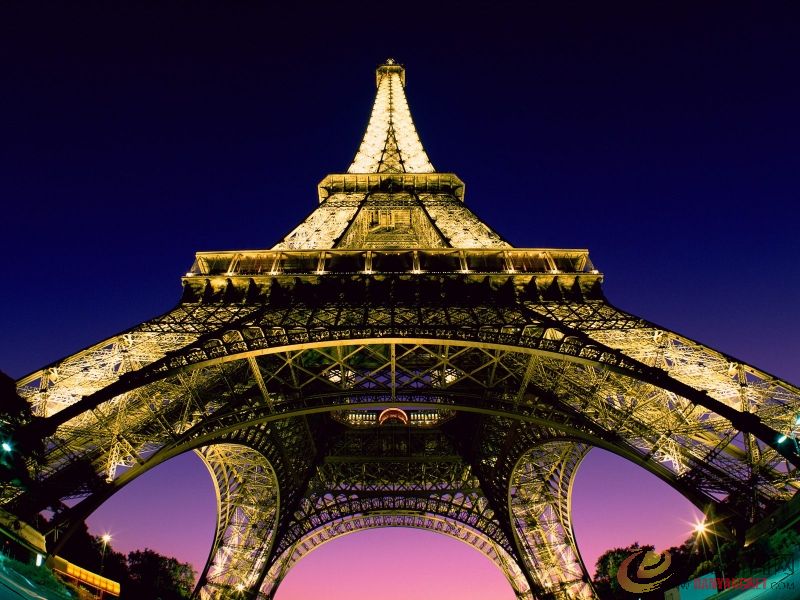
point(391, 143)
point(700, 528)
point(390, 414)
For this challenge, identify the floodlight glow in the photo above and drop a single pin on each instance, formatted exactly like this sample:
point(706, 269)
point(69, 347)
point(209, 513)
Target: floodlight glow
point(700, 527)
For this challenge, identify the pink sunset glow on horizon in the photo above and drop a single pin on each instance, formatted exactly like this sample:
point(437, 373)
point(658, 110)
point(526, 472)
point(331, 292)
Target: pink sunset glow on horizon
point(615, 503)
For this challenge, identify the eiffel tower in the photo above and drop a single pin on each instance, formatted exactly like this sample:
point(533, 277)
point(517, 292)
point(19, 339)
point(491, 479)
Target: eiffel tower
point(394, 362)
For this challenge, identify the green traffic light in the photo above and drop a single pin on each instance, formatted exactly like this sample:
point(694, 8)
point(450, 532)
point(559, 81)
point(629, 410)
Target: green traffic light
point(781, 439)
point(6, 446)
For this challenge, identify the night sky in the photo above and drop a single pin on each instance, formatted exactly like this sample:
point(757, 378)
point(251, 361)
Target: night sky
point(662, 136)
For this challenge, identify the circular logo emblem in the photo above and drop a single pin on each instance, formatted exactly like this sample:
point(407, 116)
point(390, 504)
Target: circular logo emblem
point(650, 569)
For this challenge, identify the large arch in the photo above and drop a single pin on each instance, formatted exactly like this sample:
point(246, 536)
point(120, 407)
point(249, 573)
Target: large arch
point(427, 522)
point(248, 504)
point(271, 381)
point(684, 446)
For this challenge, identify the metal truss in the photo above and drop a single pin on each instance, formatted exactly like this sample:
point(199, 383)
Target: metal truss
point(459, 224)
point(394, 476)
point(391, 143)
point(501, 366)
point(60, 384)
point(586, 403)
point(429, 522)
point(324, 225)
point(247, 502)
point(540, 506)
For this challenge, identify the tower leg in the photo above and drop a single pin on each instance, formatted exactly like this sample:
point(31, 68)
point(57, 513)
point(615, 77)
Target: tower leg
point(247, 499)
point(539, 503)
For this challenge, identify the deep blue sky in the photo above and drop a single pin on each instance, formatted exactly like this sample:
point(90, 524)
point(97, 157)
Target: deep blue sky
point(663, 136)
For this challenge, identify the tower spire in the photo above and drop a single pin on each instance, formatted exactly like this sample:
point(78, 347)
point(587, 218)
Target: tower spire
point(391, 197)
point(390, 143)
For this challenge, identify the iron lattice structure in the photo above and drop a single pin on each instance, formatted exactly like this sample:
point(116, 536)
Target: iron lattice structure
point(283, 369)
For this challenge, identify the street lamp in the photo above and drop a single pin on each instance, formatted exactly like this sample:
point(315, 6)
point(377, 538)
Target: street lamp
point(106, 537)
point(701, 529)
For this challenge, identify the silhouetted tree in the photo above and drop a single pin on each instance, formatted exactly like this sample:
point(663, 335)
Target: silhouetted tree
point(695, 557)
point(605, 579)
point(685, 560)
point(152, 575)
point(784, 542)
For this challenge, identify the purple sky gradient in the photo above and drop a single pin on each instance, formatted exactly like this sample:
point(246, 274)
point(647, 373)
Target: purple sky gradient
point(662, 137)
point(172, 509)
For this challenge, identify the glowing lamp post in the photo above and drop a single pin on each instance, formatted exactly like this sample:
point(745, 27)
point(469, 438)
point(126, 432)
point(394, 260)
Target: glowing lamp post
point(106, 537)
point(701, 529)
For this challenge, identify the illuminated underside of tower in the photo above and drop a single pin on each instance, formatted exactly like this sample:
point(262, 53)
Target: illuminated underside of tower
point(394, 362)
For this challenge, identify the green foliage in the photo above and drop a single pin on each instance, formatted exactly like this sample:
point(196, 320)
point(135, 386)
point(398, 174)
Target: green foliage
point(698, 556)
point(760, 554)
point(605, 580)
point(784, 542)
point(141, 574)
point(41, 577)
point(703, 567)
point(155, 576)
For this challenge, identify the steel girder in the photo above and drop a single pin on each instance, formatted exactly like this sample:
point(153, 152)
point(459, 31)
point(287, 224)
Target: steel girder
point(395, 518)
point(395, 476)
point(509, 360)
point(612, 400)
point(247, 506)
point(517, 346)
point(478, 379)
point(494, 317)
point(503, 325)
point(65, 381)
point(540, 498)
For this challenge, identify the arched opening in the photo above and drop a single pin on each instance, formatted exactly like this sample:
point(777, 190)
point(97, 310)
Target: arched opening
point(414, 373)
point(616, 503)
point(395, 564)
point(171, 509)
point(221, 525)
